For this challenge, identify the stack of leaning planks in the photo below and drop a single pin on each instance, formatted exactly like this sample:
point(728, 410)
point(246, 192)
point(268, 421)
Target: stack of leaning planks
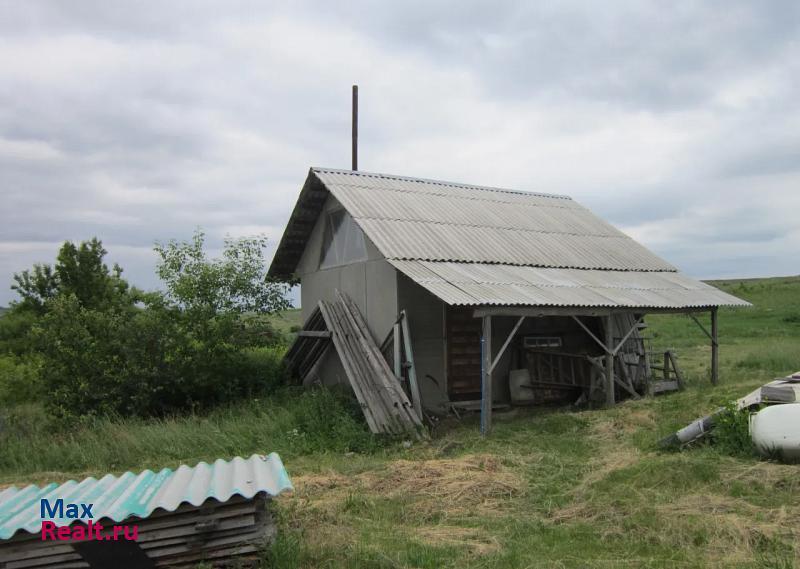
point(386, 406)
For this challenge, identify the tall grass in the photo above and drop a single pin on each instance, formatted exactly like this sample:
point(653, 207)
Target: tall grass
point(292, 423)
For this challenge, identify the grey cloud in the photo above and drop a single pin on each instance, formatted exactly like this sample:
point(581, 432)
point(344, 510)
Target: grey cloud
point(138, 122)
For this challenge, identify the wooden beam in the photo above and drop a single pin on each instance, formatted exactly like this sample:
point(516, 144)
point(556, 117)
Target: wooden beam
point(314, 333)
point(610, 400)
point(486, 376)
point(396, 352)
point(595, 338)
point(714, 346)
point(506, 343)
point(534, 311)
point(538, 311)
point(703, 328)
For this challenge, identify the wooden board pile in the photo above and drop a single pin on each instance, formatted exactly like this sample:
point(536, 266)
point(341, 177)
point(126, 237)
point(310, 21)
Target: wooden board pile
point(231, 533)
point(386, 406)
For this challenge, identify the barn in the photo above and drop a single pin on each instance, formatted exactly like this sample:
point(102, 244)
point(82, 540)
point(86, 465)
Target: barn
point(475, 297)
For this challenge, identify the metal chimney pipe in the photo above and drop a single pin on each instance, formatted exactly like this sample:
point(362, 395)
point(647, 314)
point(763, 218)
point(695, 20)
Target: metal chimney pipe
point(355, 127)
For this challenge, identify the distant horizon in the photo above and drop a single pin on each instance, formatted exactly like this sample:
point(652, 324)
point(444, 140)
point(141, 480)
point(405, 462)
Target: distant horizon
point(296, 290)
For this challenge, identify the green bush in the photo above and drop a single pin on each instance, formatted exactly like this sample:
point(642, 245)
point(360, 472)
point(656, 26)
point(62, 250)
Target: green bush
point(108, 349)
point(146, 362)
point(731, 432)
point(15, 326)
point(19, 380)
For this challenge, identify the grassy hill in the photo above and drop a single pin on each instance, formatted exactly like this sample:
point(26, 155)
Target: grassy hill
point(288, 320)
point(550, 488)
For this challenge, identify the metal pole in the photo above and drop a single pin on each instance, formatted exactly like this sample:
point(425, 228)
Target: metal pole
point(609, 362)
point(486, 377)
point(714, 347)
point(355, 127)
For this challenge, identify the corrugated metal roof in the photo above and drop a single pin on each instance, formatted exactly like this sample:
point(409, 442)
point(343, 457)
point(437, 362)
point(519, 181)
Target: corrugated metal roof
point(120, 497)
point(408, 218)
point(493, 284)
point(479, 245)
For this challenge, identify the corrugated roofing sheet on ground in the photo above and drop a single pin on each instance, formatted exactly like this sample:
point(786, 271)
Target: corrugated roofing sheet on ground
point(410, 218)
point(492, 284)
point(121, 497)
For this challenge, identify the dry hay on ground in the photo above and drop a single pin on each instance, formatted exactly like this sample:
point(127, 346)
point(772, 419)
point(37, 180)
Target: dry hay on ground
point(329, 507)
point(476, 541)
point(470, 485)
point(762, 474)
point(465, 486)
point(735, 528)
point(624, 421)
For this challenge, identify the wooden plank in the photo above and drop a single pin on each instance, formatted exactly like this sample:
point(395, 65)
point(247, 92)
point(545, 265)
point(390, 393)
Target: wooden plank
point(388, 388)
point(677, 372)
point(349, 366)
point(626, 384)
point(362, 375)
point(412, 370)
point(664, 387)
point(605, 345)
point(506, 343)
point(396, 339)
point(314, 334)
point(386, 406)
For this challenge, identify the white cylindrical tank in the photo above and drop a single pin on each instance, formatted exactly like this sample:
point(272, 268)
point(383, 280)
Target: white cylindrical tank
point(775, 431)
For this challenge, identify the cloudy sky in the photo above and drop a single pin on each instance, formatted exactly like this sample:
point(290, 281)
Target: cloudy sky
point(139, 121)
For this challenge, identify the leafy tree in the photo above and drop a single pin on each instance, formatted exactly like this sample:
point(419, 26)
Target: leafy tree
point(202, 342)
point(79, 271)
point(235, 284)
point(35, 287)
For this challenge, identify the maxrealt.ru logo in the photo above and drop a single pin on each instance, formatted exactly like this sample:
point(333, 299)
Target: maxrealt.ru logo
point(87, 529)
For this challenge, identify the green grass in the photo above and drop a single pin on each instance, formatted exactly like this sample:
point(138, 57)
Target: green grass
point(294, 423)
point(550, 488)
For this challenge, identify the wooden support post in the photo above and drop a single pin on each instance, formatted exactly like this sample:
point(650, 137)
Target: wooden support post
point(714, 346)
point(398, 365)
point(486, 377)
point(610, 400)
